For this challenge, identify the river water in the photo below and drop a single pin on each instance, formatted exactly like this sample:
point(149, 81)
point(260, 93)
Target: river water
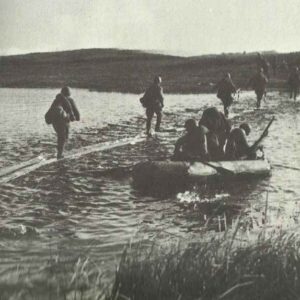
point(68, 209)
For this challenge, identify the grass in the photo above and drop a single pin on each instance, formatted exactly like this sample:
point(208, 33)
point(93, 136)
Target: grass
point(64, 279)
point(132, 71)
point(218, 268)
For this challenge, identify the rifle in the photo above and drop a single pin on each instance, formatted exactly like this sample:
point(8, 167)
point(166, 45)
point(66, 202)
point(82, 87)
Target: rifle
point(263, 135)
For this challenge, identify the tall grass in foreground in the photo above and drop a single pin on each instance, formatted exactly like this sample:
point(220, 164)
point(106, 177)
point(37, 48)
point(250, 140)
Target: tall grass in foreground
point(219, 268)
point(222, 267)
point(58, 279)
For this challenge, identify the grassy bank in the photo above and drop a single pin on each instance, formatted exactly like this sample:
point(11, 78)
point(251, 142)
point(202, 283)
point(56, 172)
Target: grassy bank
point(58, 279)
point(222, 267)
point(132, 71)
point(219, 268)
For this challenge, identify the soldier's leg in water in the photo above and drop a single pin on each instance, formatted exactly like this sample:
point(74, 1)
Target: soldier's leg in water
point(158, 119)
point(149, 114)
point(67, 130)
point(60, 129)
point(259, 96)
point(66, 135)
point(226, 104)
point(226, 111)
point(295, 93)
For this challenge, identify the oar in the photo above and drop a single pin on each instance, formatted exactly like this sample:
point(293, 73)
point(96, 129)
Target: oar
point(286, 167)
point(112, 171)
point(219, 169)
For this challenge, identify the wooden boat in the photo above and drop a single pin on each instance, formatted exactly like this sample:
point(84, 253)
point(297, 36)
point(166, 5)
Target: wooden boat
point(170, 173)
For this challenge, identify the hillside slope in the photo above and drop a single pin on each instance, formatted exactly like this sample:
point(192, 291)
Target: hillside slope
point(131, 71)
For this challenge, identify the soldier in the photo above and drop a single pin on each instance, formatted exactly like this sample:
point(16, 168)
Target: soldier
point(263, 64)
point(218, 130)
point(294, 83)
point(237, 146)
point(153, 101)
point(225, 90)
point(258, 82)
point(63, 111)
point(193, 145)
point(274, 64)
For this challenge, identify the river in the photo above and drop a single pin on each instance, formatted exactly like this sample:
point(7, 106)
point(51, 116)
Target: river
point(67, 209)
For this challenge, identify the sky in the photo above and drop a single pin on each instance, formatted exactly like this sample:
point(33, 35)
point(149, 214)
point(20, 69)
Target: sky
point(184, 27)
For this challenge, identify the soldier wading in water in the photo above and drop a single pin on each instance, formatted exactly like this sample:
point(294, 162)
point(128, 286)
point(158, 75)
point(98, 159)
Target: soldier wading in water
point(294, 83)
point(153, 101)
point(259, 82)
point(62, 111)
point(225, 90)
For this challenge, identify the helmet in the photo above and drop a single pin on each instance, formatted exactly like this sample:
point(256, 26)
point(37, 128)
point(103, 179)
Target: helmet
point(246, 127)
point(66, 91)
point(190, 124)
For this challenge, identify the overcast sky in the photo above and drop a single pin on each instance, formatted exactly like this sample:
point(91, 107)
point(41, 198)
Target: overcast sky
point(185, 26)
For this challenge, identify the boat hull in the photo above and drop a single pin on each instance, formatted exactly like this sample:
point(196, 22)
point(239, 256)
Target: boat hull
point(170, 173)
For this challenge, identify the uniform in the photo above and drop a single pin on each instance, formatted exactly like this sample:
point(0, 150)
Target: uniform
point(153, 101)
point(63, 111)
point(218, 130)
point(225, 90)
point(237, 145)
point(192, 146)
point(259, 83)
point(294, 83)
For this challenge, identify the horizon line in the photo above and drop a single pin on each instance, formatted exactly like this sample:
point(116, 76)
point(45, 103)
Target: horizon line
point(180, 53)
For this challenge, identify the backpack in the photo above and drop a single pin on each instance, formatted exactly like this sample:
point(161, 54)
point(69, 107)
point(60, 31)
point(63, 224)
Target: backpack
point(220, 94)
point(144, 101)
point(56, 113)
point(49, 116)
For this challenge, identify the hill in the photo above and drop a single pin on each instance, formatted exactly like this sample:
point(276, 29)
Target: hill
point(132, 71)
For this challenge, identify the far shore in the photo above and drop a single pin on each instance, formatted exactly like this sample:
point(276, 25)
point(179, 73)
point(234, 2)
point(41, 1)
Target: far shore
point(103, 90)
point(126, 71)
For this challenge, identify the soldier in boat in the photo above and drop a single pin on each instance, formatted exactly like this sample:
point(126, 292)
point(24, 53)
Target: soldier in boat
point(237, 146)
point(225, 90)
point(193, 145)
point(153, 101)
point(62, 111)
point(218, 129)
point(258, 82)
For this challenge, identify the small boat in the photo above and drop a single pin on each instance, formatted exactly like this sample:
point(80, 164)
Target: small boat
point(171, 173)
